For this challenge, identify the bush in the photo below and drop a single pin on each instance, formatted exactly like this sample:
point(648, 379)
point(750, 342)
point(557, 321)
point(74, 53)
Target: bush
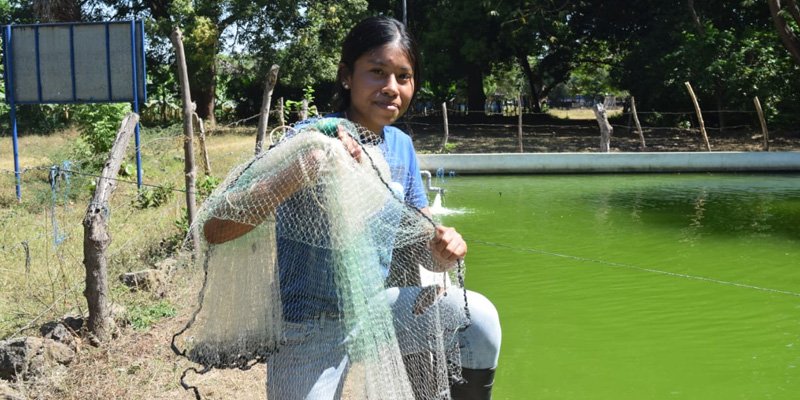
point(153, 198)
point(205, 186)
point(98, 125)
point(40, 119)
point(143, 317)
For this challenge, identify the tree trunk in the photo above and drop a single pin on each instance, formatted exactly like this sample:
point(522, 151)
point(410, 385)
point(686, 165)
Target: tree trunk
point(57, 10)
point(188, 140)
point(97, 238)
point(202, 71)
point(788, 37)
point(695, 18)
point(718, 84)
point(266, 100)
point(476, 98)
point(205, 97)
point(794, 10)
point(534, 83)
point(606, 129)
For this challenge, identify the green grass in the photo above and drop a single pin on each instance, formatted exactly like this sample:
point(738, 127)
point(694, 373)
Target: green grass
point(142, 317)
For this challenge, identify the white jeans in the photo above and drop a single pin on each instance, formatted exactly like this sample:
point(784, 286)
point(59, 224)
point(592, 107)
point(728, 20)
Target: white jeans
point(313, 362)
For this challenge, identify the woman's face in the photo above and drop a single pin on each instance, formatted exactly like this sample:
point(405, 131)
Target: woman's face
point(381, 87)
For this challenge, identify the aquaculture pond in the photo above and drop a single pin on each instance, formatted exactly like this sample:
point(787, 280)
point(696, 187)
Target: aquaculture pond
point(679, 286)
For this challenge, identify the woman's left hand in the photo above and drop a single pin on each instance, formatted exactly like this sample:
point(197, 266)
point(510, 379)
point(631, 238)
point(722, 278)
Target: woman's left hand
point(447, 246)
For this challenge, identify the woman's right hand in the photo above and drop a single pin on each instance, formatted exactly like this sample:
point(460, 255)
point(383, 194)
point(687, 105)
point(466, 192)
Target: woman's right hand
point(350, 144)
point(447, 247)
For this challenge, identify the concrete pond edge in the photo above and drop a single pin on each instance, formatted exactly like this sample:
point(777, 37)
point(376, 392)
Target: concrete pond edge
point(589, 163)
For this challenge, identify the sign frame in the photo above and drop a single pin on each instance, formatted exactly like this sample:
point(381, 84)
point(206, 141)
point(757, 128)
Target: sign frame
point(63, 67)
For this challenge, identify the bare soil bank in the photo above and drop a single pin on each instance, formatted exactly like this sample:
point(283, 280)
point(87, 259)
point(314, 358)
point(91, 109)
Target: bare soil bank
point(499, 135)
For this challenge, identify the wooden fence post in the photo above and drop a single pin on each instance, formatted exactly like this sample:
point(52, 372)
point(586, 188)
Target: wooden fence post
point(606, 129)
point(266, 99)
point(446, 128)
point(203, 150)
point(304, 110)
point(636, 121)
point(280, 112)
point(519, 124)
point(97, 238)
point(763, 123)
point(188, 140)
point(699, 114)
point(630, 115)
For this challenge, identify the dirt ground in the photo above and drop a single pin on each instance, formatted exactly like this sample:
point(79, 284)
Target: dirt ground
point(584, 136)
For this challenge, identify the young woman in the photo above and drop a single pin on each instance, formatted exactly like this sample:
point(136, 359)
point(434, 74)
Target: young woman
point(378, 77)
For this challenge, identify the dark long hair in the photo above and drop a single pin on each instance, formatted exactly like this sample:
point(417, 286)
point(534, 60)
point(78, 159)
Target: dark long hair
point(367, 35)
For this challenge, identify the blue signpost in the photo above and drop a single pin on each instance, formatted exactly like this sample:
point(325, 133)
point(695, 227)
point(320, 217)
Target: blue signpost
point(99, 62)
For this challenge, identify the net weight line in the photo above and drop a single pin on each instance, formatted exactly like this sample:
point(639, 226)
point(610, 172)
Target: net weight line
point(636, 268)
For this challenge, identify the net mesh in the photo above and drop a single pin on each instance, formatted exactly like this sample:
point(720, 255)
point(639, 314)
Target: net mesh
point(326, 237)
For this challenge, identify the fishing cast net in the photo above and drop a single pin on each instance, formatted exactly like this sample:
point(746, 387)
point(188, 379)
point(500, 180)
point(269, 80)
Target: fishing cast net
point(305, 239)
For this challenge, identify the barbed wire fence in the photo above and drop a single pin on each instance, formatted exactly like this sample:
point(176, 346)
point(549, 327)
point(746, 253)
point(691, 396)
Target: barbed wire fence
point(45, 259)
point(54, 238)
point(41, 253)
point(666, 128)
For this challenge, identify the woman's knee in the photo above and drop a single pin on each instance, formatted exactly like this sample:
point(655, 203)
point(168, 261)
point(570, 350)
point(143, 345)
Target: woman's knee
point(482, 337)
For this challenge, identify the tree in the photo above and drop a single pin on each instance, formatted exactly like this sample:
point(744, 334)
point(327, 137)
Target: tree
point(299, 35)
point(728, 50)
point(311, 55)
point(459, 42)
point(466, 39)
point(778, 10)
point(57, 10)
point(210, 27)
point(542, 38)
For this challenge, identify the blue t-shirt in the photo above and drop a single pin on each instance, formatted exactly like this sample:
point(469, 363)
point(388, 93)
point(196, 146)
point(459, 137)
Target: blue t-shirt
point(306, 278)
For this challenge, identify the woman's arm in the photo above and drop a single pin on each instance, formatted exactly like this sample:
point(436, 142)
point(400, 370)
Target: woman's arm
point(241, 212)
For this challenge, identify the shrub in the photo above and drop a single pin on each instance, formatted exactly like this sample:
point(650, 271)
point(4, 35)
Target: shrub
point(143, 317)
point(153, 198)
point(205, 186)
point(98, 125)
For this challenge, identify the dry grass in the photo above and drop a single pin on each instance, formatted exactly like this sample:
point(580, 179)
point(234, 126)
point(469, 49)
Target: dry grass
point(141, 365)
point(34, 150)
point(45, 282)
point(48, 284)
point(579, 113)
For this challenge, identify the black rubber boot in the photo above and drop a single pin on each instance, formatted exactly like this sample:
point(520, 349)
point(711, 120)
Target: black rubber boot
point(477, 385)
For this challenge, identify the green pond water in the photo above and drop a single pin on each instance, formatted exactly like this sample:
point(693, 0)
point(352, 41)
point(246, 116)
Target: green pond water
point(638, 286)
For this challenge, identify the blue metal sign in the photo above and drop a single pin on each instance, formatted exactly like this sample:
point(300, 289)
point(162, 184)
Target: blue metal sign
point(99, 62)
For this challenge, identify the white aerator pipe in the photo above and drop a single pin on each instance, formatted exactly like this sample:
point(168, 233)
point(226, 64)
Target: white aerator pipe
point(427, 175)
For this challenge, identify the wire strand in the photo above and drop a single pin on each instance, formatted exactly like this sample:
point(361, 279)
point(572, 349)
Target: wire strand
point(71, 171)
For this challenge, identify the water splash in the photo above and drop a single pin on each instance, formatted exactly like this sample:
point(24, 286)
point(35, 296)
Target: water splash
point(438, 209)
